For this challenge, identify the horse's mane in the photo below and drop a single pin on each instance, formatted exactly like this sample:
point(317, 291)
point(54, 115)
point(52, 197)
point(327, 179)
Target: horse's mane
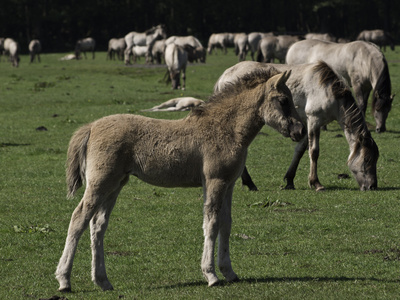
point(328, 77)
point(383, 88)
point(246, 82)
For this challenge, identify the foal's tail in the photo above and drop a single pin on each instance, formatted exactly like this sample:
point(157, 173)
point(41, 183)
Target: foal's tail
point(76, 159)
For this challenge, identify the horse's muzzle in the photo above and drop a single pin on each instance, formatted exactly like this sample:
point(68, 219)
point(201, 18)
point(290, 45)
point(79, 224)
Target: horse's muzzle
point(297, 131)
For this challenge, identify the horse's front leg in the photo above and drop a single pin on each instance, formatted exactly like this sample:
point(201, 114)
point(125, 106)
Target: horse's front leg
point(313, 140)
point(301, 147)
point(361, 94)
point(225, 220)
point(184, 78)
point(246, 180)
point(214, 196)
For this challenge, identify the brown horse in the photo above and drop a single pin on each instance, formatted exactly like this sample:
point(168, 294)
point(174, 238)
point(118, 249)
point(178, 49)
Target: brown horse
point(208, 148)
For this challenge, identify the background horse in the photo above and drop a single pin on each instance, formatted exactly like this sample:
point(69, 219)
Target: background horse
point(363, 66)
point(158, 51)
point(176, 59)
point(197, 54)
point(218, 40)
point(319, 97)
point(34, 50)
point(271, 47)
point(208, 148)
point(378, 37)
point(327, 37)
point(177, 104)
point(241, 45)
point(146, 38)
point(83, 45)
point(254, 39)
point(116, 46)
point(11, 48)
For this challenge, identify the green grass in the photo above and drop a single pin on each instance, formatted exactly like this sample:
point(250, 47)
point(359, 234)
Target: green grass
point(338, 244)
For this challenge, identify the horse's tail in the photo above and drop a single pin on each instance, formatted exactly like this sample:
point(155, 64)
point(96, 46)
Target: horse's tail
point(76, 159)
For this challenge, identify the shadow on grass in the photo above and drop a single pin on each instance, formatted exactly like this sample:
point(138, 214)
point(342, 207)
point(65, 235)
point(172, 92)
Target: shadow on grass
point(279, 279)
point(12, 145)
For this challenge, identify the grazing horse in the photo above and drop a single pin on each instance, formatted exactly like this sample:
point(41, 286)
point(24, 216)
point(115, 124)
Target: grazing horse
point(116, 46)
point(177, 104)
point(271, 47)
point(363, 66)
point(207, 148)
point(83, 45)
point(158, 51)
point(254, 39)
point(34, 50)
point(218, 40)
point(11, 48)
point(146, 38)
point(319, 97)
point(378, 37)
point(198, 52)
point(327, 37)
point(176, 59)
point(241, 45)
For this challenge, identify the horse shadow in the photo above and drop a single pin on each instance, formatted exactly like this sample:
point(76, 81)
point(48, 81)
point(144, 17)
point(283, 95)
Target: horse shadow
point(253, 280)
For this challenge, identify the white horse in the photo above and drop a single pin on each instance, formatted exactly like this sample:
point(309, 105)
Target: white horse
point(363, 66)
point(83, 45)
point(207, 149)
point(158, 51)
point(116, 46)
point(218, 40)
point(34, 50)
point(241, 45)
point(327, 37)
point(177, 104)
point(198, 52)
point(11, 48)
point(271, 47)
point(320, 97)
point(141, 51)
point(254, 39)
point(146, 38)
point(378, 37)
point(176, 59)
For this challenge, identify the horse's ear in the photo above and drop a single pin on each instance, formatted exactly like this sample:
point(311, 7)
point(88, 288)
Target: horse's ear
point(283, 78)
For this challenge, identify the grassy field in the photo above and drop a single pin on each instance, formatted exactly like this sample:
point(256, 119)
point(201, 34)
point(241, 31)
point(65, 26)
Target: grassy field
point(337, 244)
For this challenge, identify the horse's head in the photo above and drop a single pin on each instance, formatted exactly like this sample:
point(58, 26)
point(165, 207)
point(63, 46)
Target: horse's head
point(362, 162)
point(279, 111)
point(381, 104)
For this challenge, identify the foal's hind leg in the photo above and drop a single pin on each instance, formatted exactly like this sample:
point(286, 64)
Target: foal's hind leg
point(98, 226)
point(79, 222)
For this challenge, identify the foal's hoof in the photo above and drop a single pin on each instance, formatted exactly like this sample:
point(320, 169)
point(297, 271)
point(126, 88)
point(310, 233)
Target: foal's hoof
point(214, 283)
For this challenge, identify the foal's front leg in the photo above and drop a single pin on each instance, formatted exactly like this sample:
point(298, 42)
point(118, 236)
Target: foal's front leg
point(215, 192)
point(224, 260)
point(301, 147)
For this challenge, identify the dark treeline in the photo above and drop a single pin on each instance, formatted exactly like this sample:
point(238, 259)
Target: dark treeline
point(59, 23)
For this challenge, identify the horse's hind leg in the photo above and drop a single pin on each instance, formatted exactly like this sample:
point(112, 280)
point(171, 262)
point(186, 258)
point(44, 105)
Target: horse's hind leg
point(314, 154)
point(79, 222)
point(98, 226)
point(246, 180)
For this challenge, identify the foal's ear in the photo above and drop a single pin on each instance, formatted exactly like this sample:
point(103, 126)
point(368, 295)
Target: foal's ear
point(283, 78)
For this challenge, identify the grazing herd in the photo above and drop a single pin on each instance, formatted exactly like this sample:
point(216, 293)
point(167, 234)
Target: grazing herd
point(323, 79)
point(208, 147)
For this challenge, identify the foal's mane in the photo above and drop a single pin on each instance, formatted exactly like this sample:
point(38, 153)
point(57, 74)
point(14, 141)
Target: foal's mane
point(352, 117)
point(247, 82)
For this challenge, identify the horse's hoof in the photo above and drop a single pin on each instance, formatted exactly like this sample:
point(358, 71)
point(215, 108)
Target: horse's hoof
point(65, 290)
point(289, 187)
point(320, 189)
point(236, 279)
point(214, 283)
